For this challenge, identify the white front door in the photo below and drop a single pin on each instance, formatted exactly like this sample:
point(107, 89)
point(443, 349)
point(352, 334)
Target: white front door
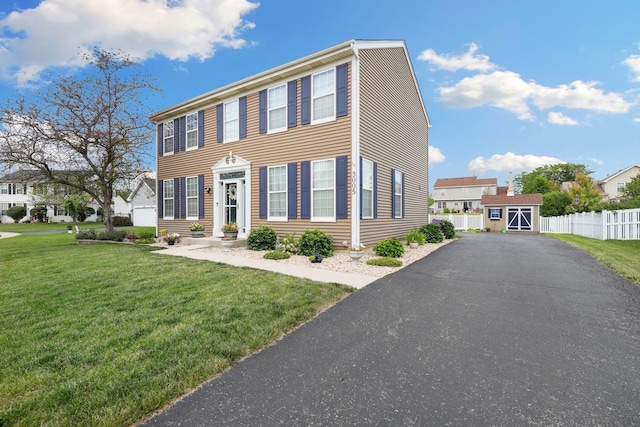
point(232, 194)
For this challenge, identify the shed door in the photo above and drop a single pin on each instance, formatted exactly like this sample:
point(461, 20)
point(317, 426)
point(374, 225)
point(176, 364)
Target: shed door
point(519, 219)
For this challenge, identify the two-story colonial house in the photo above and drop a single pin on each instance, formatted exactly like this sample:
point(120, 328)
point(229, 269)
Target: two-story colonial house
point(612, 186)
point(336, 140)
point(462, 194)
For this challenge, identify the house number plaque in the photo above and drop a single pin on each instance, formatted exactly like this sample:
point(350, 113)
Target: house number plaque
point(232, 175)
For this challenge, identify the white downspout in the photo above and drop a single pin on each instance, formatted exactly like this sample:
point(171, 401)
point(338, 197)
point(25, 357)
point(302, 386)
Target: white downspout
point(355, 147)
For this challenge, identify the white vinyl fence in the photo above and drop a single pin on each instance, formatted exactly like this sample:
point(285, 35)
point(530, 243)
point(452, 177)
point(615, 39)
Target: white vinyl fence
point(616, 225)
point(462, 222)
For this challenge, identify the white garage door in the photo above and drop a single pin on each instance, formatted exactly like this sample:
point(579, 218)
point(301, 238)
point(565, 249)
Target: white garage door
point(144, 216)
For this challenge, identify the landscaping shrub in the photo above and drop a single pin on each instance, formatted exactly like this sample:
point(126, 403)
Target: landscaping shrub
point(389, 248)
point(277, 255)
point(89, 234)
point(432, 232)
point(17, 212)
point(316, 241)
point(115, 236)
point(262, 238)
point(121, 221)
point(385, 262)
point(448, 229)
point(145, 234)
point(290, 243)
point(414, 236)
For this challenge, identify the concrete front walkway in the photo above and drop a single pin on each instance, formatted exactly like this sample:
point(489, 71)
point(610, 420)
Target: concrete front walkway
point(492, 329)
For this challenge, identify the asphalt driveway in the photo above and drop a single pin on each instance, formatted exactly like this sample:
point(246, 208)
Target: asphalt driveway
point(493, 329)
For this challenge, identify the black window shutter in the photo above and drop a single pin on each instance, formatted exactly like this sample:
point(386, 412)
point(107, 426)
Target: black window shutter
point(393, 193)
point(341, 90)
point(201, 196)
point(183, 132)
point(341, 187)
point(183, 197)
point(262, 175)
point(292, 98)
point(176, 135)
point(403, 195)
point(201, 128)
point(375, 190)
point(160, 199)
point(292, 190)
point(305, 190)
point(219, 123)
point(262, 111)
point(160, 139)
point(242, 116)
point(176, 197)
point(305, 100)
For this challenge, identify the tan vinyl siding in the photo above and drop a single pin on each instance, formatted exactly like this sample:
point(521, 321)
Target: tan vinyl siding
point(393, 133)
point(297, 144)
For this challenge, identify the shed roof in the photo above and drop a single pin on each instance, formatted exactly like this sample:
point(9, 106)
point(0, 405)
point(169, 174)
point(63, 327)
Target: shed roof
point(516, 199)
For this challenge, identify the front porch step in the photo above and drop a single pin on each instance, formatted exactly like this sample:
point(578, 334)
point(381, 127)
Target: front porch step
point(215, 242)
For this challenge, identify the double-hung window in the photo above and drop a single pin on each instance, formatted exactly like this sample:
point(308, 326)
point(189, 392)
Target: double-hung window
point(4, 188)
point(277, 197)
point(397, 194)
point(168, 200)
point(277, 108)
point(323, 104)
point(192, 197)
point(323, 190)
point(367, 188)
point(620, 186)
point(167, 136)
point(231, 121)
point(495, 213)
point(192, 131)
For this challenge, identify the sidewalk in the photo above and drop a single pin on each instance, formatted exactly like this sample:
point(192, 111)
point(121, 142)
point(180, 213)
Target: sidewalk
point(357, 281)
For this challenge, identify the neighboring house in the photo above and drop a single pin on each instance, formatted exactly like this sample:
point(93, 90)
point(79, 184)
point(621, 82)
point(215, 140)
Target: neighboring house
point(461, 194)
point(512, 212)
point(612, 186)
point(29, 188)
point(121, 207)
point(336, 140)
point(142, 201)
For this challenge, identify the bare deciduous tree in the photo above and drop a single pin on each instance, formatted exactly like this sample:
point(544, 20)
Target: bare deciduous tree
point(88, 132)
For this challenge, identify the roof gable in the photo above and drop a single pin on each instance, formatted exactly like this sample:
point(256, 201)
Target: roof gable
point(516, 199)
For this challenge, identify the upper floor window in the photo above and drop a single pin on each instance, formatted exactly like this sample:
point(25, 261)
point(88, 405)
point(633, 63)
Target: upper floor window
point(323, 190)
point(192, 197)
point(167, 136)
point(443, 192)
point(168, 193)
point(277, 196)
point(231, 121)
point(367, 188)
point(620, 187)
point(465, 191)
point(277, 108)
point(4, 188)
point(323, 89)
point(192, 131)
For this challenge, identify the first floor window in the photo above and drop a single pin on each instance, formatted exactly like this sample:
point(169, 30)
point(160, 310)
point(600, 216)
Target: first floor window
point(167, 136)
point(168, 190)
point(192, 197)
point(3, 208)
point(192, 131)
point(442, 205)
point(323, 190)
point(397, 194)
point(495, 213)
point(367, 189)
point(277, 192)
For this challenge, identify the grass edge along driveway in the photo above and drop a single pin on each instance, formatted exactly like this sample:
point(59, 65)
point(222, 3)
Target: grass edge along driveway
point(107, 334)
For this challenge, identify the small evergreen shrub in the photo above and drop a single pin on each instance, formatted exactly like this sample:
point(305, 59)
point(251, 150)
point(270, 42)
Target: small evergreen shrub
point(448, 229)
point(17, 212)
point(121, 221)
point(115, 235)
point(277, 255)
point(315, 241)
point(432, 232)
point(262, 238)
point(385, 262)
point(389, 248)
point(146, 234)
point(89, 234)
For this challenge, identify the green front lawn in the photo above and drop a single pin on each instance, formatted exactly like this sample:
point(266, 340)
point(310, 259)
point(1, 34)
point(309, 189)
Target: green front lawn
point(38, 227)
point(107, 334)
point(622, 256)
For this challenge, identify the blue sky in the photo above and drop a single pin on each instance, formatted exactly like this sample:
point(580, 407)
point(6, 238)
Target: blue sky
point(509, 85)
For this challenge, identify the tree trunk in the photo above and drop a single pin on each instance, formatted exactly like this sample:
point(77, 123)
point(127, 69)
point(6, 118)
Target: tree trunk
point(106, 215)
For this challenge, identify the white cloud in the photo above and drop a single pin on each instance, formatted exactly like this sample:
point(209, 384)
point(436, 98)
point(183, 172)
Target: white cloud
point(558, 118)
point(637, 120)
point(510, 162)
point(466, 61)
point(53, 33)
point(435, 155)
point(509, 91)
point(633, 62)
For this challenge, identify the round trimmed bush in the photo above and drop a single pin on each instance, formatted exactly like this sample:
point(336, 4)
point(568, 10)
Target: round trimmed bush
point(262, 238)
point(448, 229)
point(432, 233)
point(389, 248)
point(315, 241)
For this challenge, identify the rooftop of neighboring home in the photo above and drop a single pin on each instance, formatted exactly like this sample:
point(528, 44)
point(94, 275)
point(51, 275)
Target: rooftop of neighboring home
point(467, 181)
